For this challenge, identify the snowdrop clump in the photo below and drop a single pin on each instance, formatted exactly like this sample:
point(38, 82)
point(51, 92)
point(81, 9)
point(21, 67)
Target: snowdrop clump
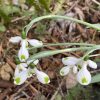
point(26, 69)
point(79, 67)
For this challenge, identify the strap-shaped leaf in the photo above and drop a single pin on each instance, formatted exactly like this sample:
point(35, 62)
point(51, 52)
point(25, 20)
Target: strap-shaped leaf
point(53, 52)
point(96, 78)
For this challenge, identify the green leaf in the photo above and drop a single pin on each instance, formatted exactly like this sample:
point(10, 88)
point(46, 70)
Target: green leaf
point(2, 28)
point(10, 9)
point(96, 78)
point(53, 52)
point(97, 25)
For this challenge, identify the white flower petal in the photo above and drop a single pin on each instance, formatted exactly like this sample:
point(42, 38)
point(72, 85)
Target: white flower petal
point(70, 60)
point(30, 72)
point(15, 39)
point(20, 78)
point(64, 71)
point(35, 43)
point(19, 68)
point(92, 64)
point(23, 64)
point(24, 43)
point(84, 76)
point(23, 54)
point(75, 69)
point(42, 77)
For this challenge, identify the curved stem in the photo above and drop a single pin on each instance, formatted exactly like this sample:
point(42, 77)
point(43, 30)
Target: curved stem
point(60, 17)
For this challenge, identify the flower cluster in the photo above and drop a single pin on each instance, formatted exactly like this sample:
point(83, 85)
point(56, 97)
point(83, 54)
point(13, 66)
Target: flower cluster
point(26, 69)
point(79, 68)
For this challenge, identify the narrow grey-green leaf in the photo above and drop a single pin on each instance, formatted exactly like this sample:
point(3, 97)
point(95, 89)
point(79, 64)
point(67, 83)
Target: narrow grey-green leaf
point(53, 52)
point(2, 28)
point(96, 78)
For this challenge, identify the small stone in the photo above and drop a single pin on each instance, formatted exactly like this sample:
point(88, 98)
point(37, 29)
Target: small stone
point(71, 80)
point(5, 75)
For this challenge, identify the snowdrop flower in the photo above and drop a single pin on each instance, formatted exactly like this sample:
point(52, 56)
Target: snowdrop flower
point(32, 42)
point(23, 53)
point(84, 76)
point(20, 74)
point(21, 77)
point(41, 76)
point(31, 68)
point(70, 62)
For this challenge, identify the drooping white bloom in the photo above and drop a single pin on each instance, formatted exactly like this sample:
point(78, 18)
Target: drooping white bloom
point(42, 77)
point(21, 74)
point(32, 42)
point(23, 54)
point(20, 78)
point(71, 63)
point(84, 76)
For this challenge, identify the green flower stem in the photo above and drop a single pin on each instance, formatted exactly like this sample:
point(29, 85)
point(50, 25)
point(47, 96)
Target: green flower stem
point(59, 17)
point(63, 44)
point(53, 52)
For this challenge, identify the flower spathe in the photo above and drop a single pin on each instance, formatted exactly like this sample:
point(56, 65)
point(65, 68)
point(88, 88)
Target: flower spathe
point(84, 76)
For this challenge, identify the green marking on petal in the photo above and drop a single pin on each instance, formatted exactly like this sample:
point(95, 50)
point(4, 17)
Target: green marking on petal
point(46, 79)
point(84, 80)
point(17, 80)
point(79, 66)
point(23, 57)
point(61, 72)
